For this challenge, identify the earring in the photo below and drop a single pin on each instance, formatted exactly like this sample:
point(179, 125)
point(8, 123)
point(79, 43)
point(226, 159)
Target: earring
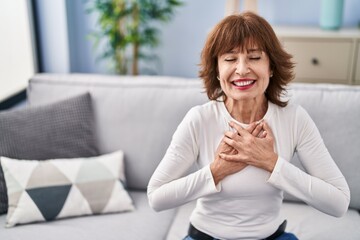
point(218, 78)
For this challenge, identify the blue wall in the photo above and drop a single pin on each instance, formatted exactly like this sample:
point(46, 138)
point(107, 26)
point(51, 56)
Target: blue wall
point(183, 38)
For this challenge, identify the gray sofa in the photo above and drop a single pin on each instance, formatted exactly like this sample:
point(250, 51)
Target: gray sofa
point(139, 115)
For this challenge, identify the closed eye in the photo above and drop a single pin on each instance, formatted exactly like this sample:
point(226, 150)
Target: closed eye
point(230, 59)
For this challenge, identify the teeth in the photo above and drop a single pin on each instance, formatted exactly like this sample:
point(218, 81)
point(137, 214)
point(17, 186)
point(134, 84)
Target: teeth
point(243, 83)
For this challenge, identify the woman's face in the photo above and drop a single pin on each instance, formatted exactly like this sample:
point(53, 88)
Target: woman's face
point(244, 75)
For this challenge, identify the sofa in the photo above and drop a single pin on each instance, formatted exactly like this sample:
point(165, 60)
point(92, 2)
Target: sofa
point(138, 116)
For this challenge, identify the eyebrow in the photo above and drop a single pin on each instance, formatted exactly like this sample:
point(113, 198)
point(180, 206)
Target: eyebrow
point(251, 50)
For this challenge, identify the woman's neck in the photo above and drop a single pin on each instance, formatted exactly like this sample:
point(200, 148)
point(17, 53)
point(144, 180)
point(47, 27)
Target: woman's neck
point(248, 111)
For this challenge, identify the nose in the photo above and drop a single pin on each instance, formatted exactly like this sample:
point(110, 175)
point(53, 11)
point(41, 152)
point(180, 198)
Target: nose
point(242, 67)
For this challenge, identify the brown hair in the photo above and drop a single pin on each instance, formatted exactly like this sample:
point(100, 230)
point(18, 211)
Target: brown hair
point(244, 30)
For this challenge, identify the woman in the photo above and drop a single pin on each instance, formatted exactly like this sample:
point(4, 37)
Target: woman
point(243, 141)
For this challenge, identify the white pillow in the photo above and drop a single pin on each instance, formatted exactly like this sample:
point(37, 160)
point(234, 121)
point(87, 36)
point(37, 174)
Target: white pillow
point(57, 188)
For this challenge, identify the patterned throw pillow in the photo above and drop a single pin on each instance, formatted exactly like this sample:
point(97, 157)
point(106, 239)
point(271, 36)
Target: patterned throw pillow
point(58, 188)
point(64, 129)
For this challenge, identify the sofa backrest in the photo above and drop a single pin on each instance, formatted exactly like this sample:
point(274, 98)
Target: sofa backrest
point(139, 115)
point(135, 114)
point(335, 110)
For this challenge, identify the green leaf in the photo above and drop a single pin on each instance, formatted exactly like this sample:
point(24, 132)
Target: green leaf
point(124, 23)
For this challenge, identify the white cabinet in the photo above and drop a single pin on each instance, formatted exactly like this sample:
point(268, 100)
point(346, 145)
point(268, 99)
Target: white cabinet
point(323, 56)
point(357, 66)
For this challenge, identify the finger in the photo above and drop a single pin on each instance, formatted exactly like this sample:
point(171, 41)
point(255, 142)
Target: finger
point(239, 129)
point(268, 130)
point(251, 127)
point(228, 157)
point(257, 130)
point(231, 135)
point(263, 134)
point(231, 142)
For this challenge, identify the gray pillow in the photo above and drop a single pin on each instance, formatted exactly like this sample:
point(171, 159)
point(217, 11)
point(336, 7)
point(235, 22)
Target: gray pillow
point(63, 129)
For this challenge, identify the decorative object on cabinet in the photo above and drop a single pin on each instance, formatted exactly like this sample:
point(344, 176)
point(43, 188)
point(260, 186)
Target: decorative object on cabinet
point(331, 15)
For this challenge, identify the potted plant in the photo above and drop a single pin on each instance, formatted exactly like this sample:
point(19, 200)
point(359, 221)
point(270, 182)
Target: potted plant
point(128, 26)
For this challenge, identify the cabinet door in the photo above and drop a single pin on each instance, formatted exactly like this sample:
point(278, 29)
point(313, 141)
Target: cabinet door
point(357, 67)
point(321, 61)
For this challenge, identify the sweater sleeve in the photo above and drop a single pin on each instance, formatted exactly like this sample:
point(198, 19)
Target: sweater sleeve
point(322, 185)
point(169, 186)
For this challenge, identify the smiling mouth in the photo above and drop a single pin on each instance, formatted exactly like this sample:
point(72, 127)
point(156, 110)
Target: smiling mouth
point(243, 83)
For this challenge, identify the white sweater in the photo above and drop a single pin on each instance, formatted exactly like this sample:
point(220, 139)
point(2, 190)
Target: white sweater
point(246, 205)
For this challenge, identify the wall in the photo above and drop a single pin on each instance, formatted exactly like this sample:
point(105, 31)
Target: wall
point(305, 12)
point(83, 56)
point(17, 63)
point(183, 38)
point(53, 38)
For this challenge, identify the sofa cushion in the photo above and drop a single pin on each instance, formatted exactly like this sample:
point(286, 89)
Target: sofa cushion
point(180, 225)
point(58, 188)
point(136, 114)
point(335, 110)
point(304, 221)
point(143, 223)
point(308, 223)
point(60, 130)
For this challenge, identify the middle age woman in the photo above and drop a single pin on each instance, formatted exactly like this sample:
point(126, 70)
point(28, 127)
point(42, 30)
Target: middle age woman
point(242, 141)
